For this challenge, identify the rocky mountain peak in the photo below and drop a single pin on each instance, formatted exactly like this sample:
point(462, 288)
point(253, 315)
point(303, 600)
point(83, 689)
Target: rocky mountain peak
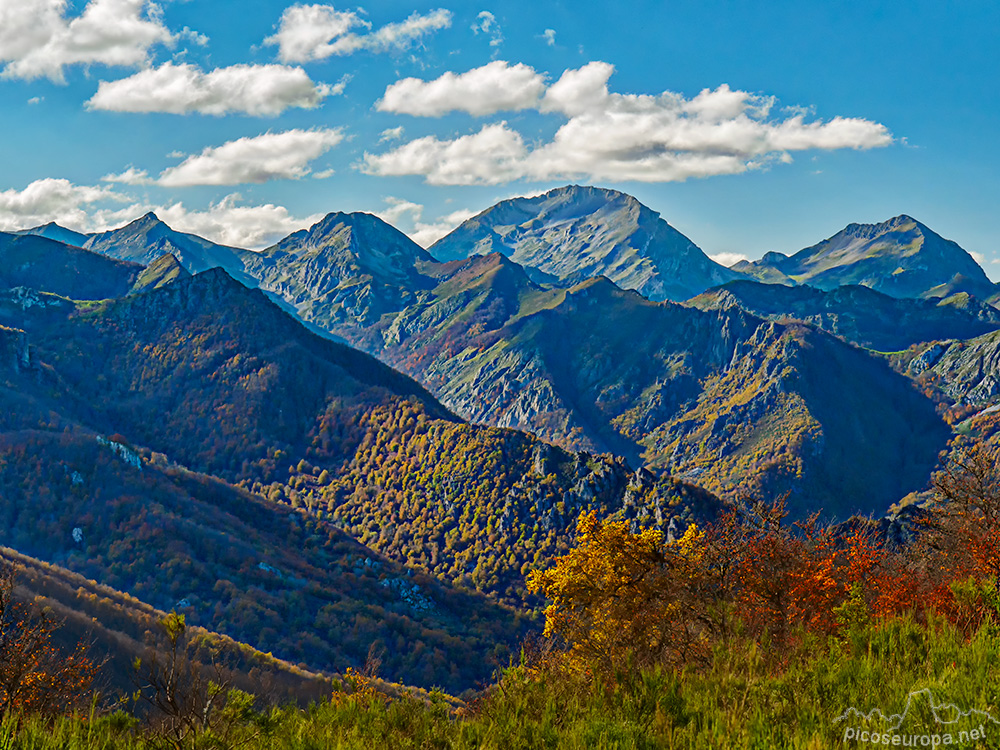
point(576, 232)
point(870, 231)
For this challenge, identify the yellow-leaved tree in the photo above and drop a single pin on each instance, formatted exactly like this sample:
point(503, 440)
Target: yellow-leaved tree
point(620, 598)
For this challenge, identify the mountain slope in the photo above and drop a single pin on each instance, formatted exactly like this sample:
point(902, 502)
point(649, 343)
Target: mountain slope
point(599, 368)
point(147, 238)
point(344, 271)
point(55, 232)
point(584, 232)
point(161, 271)
point(859, 314)
point(799, 410)
point(206, 373)
point(966, 373)
point(900, 257)
point(233, 562)
point(212, 376)
point(115, 627)
point(206, 368)
point(51, 266)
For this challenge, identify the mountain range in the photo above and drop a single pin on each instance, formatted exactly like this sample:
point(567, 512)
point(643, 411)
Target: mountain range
point(345, 439)
point(203, 444)
point(859, 314)
point(900, 257)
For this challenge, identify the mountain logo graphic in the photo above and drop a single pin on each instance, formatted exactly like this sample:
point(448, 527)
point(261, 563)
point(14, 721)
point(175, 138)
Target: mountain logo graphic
point(923, 722)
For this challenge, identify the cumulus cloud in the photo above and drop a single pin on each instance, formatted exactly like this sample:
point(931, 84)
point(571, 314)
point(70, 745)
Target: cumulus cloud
point(51, 199)
point(316, 32)
point(88, 208)
point(397, 209)
point(611, 136)
point(401, 211)
point(391, 134)
point(493, 155)
point(579, 91)
point(486, 23)
point(229, 223)
point(131, 176)
point(38, 40)
point(306, 32)
point(728, 259)
point(550, 37)
point(426, 235)
point(495, 87)
point(261, 90)
point(271, 156)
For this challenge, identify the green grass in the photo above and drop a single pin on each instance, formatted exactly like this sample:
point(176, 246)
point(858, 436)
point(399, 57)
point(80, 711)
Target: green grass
point(746, 698)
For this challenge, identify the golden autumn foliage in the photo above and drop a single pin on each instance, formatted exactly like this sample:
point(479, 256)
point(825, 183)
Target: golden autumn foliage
point(622, 598)
point(619, 594)
point(36, 677)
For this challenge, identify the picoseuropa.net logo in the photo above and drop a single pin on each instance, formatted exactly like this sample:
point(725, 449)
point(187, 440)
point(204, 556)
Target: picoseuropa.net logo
point(922, 723)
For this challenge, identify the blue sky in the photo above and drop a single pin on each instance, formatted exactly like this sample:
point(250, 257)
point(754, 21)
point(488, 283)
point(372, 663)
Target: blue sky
point(749, 126)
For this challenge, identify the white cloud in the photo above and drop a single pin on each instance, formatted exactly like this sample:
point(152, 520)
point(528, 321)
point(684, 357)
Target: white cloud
point(493, 155)
point(131, 176)
point(228, 223)
point(978, 257)
point(495, 87)
point(338, 88)
point(397, 209)
point(37, 40)
point(391, 134)
point(398, 36)
point(581, 90)
point(51, 199)
point(86, 208)
point(486, 23)
point(200, 39)
point(426, 235)
point(400, 211)
point(728, 259)
point(36, 100)
point(271, 156)
point(550, 37)
point(610, 136)
point(315, 32)
point(305, 32)
point(262, 90)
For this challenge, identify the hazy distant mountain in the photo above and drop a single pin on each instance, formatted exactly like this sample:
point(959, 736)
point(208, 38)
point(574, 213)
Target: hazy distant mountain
point(859, 314)
point(579, 232)
point(55, 232)
point(900, 257)
point(147, 238)
point(46, 265)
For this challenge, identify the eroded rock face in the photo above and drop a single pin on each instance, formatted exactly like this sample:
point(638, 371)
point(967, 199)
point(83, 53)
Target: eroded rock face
point(15, 356)
point(969, 369)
